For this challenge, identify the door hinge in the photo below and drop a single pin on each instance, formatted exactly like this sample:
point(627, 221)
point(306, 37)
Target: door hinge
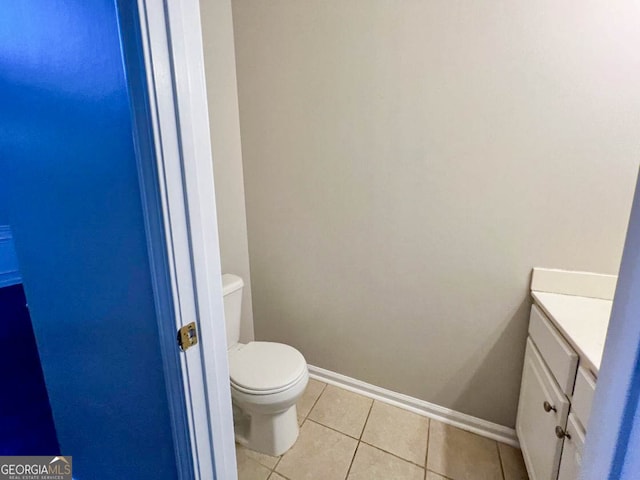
point(187, 336)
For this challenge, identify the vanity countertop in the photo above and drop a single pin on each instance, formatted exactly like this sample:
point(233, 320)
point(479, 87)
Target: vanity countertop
point(583, 321)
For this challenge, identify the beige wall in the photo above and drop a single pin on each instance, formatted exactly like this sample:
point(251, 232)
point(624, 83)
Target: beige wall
point(408, 162)
point(220, 67)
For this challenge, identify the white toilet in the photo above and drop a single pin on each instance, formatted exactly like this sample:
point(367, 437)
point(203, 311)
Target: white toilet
point(267, 379)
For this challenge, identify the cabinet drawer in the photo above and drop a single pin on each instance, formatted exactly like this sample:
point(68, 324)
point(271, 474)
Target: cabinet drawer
point(557, 354)
point(572, 451)
point(583, 396)
point(535, 426)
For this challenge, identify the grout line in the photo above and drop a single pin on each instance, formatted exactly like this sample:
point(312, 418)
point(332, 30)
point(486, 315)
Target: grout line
point(323, 388)
point(439, 474)
point(316, 402)
point(423, 408)
point(390, 453)
point(393, 454)
point(277, 473)
point(366, 421)
point(500, 461)
point(426, 469)
point(359, 440)
point(273, 470)
point(306, 417)
point(279, 459)
point(367, 443)
point(352, 459)
point(258, 462)
point(426, 454)
point(331, 428)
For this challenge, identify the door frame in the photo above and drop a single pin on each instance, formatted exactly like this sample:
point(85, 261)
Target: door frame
point(162, 44)
point(164, 65)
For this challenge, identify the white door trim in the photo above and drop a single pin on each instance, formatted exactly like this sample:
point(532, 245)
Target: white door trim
point(172, 44)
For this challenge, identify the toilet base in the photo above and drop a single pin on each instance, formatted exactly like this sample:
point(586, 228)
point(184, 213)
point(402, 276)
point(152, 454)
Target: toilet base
point(272, 434)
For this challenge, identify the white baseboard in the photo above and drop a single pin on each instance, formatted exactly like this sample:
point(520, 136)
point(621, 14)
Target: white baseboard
point(445, 415)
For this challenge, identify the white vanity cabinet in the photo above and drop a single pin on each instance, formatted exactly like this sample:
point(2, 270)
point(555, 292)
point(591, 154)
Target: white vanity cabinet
point(572, 450)
point(542, 407)
point(553, 408)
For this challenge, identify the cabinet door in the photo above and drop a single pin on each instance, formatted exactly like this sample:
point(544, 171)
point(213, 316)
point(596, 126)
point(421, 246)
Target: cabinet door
point(559, 358)
point(583, 396)
point(572, 451)
point(535, 425)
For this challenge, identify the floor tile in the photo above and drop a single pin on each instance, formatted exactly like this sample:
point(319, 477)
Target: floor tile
point(248, 468)
point(309, 397)
point(264, 459)
point(512, 463)
point(397, 431)
point(319, 454)
point(341, 410)
point(435, 476)
point(275, 476)
point(461, 455)
point(373, 464)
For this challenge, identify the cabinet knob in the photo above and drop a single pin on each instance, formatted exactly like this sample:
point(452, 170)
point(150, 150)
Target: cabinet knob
point(548, 407)
point(561, 433)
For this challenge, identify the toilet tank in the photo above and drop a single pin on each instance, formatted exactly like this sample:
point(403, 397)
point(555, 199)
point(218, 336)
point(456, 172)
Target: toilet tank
point(232, 296)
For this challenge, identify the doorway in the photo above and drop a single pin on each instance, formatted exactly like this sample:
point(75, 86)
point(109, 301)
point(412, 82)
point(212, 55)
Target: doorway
point(69, 188)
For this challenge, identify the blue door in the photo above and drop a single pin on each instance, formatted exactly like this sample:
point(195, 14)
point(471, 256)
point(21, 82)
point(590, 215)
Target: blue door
point(69, 190)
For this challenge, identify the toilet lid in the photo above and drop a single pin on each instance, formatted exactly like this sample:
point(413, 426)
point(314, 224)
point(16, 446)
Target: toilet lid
point(264, 367)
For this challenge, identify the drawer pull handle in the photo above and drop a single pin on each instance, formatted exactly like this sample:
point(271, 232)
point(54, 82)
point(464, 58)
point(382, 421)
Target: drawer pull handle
point(561, 433)
point(548, 407)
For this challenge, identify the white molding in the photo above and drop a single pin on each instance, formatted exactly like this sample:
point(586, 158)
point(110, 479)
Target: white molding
point(566, 282)
point(197, 177)
point(155, 42)
point(445, 415)
point(172, 44)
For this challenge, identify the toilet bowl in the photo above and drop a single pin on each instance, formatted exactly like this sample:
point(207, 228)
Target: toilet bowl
point(267, 379)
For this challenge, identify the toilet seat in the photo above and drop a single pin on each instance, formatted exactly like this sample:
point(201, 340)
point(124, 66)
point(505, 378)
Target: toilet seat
point(265, 368)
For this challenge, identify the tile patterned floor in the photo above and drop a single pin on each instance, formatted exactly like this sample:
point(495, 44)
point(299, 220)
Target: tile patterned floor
point(345, 436)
